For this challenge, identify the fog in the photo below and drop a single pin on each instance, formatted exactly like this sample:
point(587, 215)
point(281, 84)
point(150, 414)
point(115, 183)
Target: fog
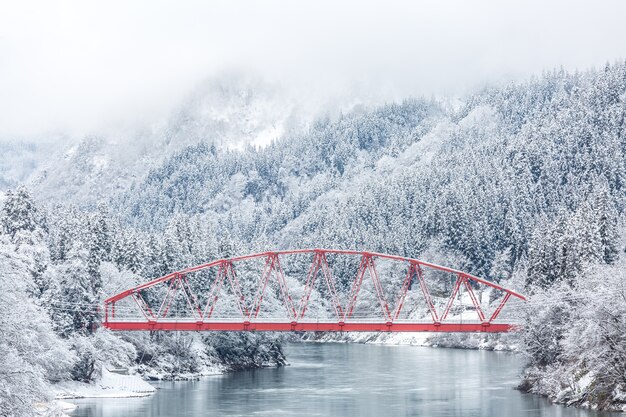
point(80, 66)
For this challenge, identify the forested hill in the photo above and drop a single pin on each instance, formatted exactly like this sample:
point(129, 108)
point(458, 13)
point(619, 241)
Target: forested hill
point(512, 175)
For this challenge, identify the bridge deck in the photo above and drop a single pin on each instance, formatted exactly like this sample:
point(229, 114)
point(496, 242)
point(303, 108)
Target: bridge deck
point(311, 326)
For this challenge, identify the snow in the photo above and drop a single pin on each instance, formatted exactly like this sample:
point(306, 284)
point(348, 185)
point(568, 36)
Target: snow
point(99, 162)
point(269, 134)
point(420, 152)
point(64, 405)
point(53, 408)
point(71, 152)
point(111, 385)
point(480, 116)
point(443, 340)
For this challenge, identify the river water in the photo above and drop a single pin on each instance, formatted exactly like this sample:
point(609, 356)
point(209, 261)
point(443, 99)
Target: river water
point(327, 379)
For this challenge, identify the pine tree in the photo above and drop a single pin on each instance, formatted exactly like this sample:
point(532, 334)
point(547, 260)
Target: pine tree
point(73, 294)
point(18, 213)
point(127, 252)
point(607, 220)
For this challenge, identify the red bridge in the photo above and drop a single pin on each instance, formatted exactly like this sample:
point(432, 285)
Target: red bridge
point(314, 290)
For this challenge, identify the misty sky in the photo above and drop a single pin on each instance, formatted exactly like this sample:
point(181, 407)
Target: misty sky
point(78, 66)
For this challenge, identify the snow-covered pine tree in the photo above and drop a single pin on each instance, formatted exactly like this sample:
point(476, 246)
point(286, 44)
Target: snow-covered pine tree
point(18, 213)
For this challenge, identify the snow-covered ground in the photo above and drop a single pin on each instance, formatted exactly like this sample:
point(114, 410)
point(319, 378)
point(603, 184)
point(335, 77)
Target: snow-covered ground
point(160, 375)
point(111, 385)
point(53, 408)
point(443, 340)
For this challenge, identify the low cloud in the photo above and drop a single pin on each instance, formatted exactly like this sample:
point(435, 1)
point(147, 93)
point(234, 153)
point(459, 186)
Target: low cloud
point(80, 66)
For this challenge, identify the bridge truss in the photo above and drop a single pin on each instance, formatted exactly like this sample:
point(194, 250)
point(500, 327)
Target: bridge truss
point(314, 290)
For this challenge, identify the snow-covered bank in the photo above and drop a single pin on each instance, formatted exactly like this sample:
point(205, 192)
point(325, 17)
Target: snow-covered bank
point(574, 340)
point(157, 375)
point(64, 405)
point(54, 408)
point(111, 385)
point(465, 310)
point(499, 342)
point(561, 386)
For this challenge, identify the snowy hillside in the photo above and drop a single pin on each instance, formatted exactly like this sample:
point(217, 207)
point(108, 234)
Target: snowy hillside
point(20, 159)
point(228, 112)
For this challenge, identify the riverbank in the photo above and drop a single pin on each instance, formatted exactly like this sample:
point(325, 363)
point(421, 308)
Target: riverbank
point(572, 388)
point(479, 341)
point(115, 385)
point(54, 408)
point(110, 385)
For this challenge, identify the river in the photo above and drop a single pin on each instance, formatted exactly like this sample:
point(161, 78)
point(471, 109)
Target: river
point(328, 379)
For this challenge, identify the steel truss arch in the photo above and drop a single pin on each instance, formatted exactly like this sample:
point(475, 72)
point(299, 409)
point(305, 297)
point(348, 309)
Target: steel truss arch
point(200, 314)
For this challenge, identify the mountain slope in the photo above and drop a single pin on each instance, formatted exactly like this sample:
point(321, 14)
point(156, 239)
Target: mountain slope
point(228, 112)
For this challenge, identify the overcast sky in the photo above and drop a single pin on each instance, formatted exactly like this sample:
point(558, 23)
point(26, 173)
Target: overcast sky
point(76, 66)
